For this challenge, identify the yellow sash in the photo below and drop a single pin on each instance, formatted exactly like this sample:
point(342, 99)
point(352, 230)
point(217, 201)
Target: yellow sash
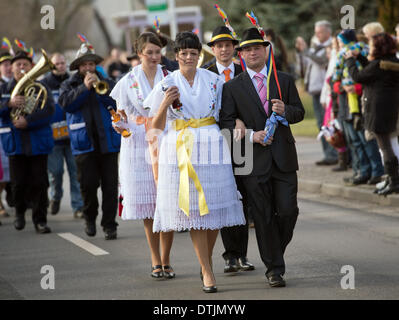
point(184, 148)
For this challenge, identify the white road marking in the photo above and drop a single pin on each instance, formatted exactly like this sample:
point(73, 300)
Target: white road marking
point(96, 251)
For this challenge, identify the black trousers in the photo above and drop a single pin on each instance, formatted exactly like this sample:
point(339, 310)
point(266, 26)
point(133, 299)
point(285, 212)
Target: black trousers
point(29, 184)
point(274, 207)
point(95, 170)
point(235, 239)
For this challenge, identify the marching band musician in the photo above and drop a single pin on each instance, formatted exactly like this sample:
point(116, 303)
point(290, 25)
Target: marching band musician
point(94, 142)
point(27, 140)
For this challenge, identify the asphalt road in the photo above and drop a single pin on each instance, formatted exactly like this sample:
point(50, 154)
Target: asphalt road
point(328, 236)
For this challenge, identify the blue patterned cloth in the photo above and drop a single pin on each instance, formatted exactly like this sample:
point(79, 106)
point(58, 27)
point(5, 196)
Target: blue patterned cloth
point(272, 123)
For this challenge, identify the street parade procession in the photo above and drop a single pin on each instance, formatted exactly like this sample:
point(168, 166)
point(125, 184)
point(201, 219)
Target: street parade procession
point(198, 142)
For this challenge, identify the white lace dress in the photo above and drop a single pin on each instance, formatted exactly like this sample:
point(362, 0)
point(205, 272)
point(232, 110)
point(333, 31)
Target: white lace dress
point(210, 158)
point(136, 179)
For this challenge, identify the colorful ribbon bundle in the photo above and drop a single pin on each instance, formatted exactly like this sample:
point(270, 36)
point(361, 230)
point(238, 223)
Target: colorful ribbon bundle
point(227, 24)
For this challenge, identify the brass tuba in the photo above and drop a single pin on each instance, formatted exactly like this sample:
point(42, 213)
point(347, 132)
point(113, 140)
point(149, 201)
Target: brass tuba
point(28, 87)
point(205, 56)
point(101, 87)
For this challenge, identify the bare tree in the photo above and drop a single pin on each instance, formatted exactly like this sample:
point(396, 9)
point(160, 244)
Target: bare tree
point(21, 19)
point(388, 14)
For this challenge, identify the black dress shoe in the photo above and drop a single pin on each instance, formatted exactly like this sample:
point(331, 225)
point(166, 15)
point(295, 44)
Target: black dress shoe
point(110, 234)
point(231, 266)
point(54, 207)
point(42, 228)
point(168, 274)
point(276, 281)
point(157, 274)
point(245, 265)
point(91, 229)
point(19, 223)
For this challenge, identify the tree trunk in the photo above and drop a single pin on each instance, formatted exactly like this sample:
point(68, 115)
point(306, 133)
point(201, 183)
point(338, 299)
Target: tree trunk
point(104, 29)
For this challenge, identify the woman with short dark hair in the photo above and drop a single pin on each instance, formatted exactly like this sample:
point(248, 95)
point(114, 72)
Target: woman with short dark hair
point(193, 147)
point(380, 80)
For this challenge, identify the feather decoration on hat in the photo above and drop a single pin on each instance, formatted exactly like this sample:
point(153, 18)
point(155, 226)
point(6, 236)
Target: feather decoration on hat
point(255, 22)
point(31, 52)
point(157, 24)
point(21, 45)
point(226, 20)
point(6, 44)
point(84, 40)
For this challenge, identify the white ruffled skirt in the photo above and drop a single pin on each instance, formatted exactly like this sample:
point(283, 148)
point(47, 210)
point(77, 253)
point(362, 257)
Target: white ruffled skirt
point(212, 163)
point(136, 178)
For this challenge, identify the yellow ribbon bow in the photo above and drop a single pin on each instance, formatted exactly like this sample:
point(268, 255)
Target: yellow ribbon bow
point(184, 148)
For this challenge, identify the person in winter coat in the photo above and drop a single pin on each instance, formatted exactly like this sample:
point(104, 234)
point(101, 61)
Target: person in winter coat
point(380, 78)
point(313, 65)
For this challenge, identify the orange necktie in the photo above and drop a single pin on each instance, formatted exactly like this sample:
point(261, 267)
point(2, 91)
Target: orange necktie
point(227, 74)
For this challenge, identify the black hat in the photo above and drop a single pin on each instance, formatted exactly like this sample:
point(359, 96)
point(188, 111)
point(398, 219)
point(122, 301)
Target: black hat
point(21, 55)
point(221, 34)
point(5, 56)
point(251, 37)
point(85, 53)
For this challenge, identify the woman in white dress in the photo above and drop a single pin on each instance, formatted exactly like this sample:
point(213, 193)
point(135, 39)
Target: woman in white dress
point(136, 177)
point(196, 186)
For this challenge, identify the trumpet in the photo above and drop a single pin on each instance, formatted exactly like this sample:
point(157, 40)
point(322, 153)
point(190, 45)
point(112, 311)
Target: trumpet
point(101, 87)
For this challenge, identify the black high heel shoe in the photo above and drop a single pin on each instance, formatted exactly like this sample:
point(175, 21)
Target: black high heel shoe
point(206, 289)
point(158, 274)
point(168, 274)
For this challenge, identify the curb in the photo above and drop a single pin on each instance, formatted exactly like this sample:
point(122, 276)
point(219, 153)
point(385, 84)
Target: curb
point(347, 192)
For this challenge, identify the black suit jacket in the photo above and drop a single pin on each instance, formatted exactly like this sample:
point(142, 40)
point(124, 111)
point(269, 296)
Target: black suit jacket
point(241, 100)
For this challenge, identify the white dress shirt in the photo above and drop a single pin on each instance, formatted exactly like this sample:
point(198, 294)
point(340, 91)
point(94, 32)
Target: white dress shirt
point(221, 68)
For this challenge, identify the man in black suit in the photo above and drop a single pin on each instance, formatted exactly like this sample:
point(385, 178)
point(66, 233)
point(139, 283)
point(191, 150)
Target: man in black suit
point(235, 239)
point(271, 186)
